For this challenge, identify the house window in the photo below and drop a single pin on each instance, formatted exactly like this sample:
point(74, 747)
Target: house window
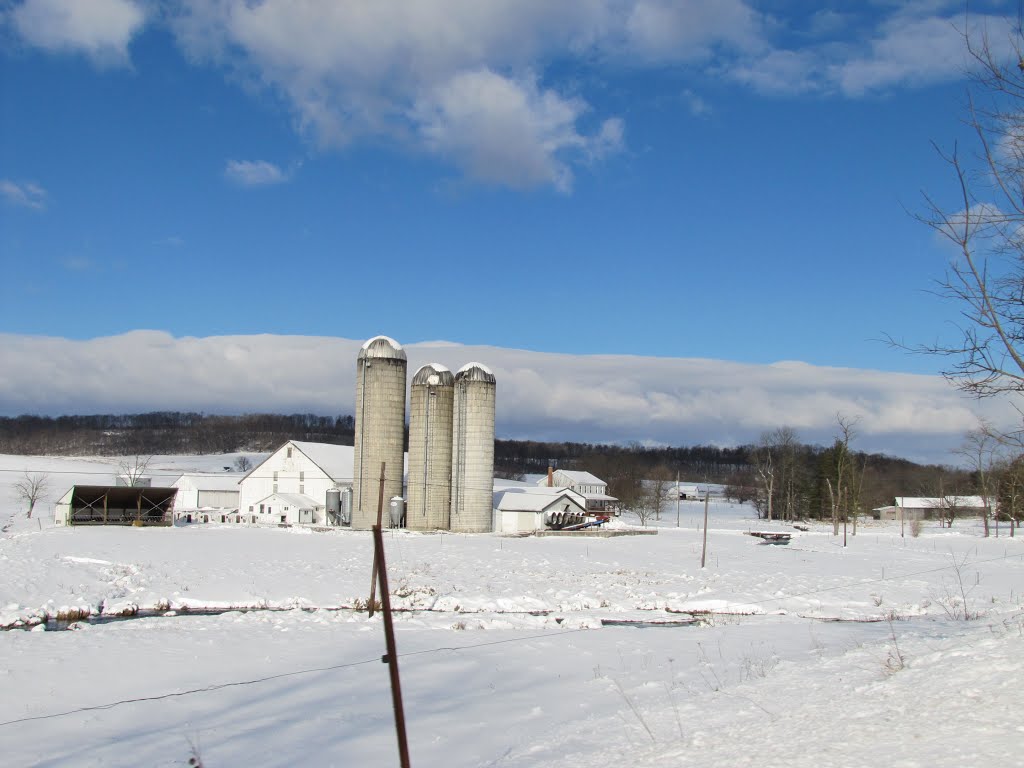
point(250, 507)
point(275, 488)
point(302, 476)
point(275, 476)
point(288, 452)
point(302, 488)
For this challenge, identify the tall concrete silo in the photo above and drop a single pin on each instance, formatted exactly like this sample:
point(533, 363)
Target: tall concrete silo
point(380, 426)
point(430, 448)
point(473, 450)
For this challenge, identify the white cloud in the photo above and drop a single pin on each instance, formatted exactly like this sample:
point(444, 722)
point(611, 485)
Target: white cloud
point(461, 79)
point(506, 131)
point(908, 51)
point(101, 29)
point(606, 398)
point(254, 173)
point(681, 30)
point(25, 194)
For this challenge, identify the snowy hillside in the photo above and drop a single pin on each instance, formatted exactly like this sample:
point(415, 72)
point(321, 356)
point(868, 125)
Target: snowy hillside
point(513, 651)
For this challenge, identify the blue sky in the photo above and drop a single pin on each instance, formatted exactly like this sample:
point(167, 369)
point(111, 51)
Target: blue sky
point(687, 179)
point(728, 181)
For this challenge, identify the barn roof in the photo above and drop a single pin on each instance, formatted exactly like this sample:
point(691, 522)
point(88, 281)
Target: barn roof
point(209, 482)
point(335, 460)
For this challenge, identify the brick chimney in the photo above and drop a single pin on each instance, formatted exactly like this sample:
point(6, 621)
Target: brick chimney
point(551, 477)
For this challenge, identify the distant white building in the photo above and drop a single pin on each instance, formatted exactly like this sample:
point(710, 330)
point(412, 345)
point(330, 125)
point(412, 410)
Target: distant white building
point(592, 488)
point(684, 492)
point(525, 509)
point(290, 485)
point(910, 507)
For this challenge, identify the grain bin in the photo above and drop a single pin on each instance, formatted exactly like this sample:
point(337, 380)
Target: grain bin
point(380, 426)
point(430, 448)
point(473, 450)
point(333, 505)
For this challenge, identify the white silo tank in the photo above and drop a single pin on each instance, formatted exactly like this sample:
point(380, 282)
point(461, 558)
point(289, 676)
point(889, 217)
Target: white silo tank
point(431, 399)
point(380, 427)
point(473, 450)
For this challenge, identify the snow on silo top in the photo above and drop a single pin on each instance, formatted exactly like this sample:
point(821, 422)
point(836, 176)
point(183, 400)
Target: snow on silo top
point(382, 347)
point(475, 372)
point(433, 374)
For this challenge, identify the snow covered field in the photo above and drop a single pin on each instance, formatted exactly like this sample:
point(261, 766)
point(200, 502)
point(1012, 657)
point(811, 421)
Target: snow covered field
point(513, 651)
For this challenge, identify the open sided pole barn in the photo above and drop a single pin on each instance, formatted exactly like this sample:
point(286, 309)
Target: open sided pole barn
point(116, 505)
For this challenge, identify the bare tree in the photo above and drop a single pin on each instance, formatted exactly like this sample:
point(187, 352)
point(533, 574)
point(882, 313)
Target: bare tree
point(645, 504)
point(979, 450)
point(31, 489)
point(660, 481)
point(985, 280)
point(244, 464)
point(132, 470)
point(764, 464)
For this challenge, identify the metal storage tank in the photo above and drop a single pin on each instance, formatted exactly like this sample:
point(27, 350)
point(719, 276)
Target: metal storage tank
point(346, 505)
point(473, 450)
point(333, 506)
point(396, 511)
point(430, 448)
point(380, 427)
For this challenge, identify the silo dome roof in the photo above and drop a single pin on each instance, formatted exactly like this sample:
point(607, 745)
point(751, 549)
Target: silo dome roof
point(382, 347)
point(433, 374)
point(475, 372)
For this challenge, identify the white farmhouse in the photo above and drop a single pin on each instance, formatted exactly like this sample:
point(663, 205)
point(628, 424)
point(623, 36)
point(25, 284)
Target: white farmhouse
point(290, 485)
point(593, 489)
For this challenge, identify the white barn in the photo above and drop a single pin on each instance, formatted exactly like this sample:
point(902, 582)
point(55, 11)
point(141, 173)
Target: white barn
point(290, 485)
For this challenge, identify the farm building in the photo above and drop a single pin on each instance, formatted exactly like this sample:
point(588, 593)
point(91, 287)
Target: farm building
point(684, 492)
point(207, 491)
point(593, 489)
point(116, 505)
point(931, 507)
point(291, 485)
point(525, 509)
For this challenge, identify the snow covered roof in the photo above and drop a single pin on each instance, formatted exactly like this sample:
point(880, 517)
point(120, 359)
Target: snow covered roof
point(204, 482)
point(335, 460)
point(382, 347)
point(511, 501)
point(969, 502)
point(919, 502)
point(575, 476)
point(476, 372)
point(433, 374)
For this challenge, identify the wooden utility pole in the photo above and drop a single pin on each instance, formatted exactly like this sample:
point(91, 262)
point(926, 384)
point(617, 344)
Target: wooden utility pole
point(677, 498)
point(704, 549)
point(391, 659)
point(380, 515)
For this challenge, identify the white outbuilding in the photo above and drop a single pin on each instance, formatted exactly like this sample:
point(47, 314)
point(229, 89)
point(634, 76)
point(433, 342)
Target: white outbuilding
point(207, 491)
point(527, 509)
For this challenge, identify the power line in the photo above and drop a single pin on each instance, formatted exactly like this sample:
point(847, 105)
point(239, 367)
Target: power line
point(256, 681)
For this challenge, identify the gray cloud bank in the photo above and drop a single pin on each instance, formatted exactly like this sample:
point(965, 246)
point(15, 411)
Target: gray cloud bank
point(541, 396)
